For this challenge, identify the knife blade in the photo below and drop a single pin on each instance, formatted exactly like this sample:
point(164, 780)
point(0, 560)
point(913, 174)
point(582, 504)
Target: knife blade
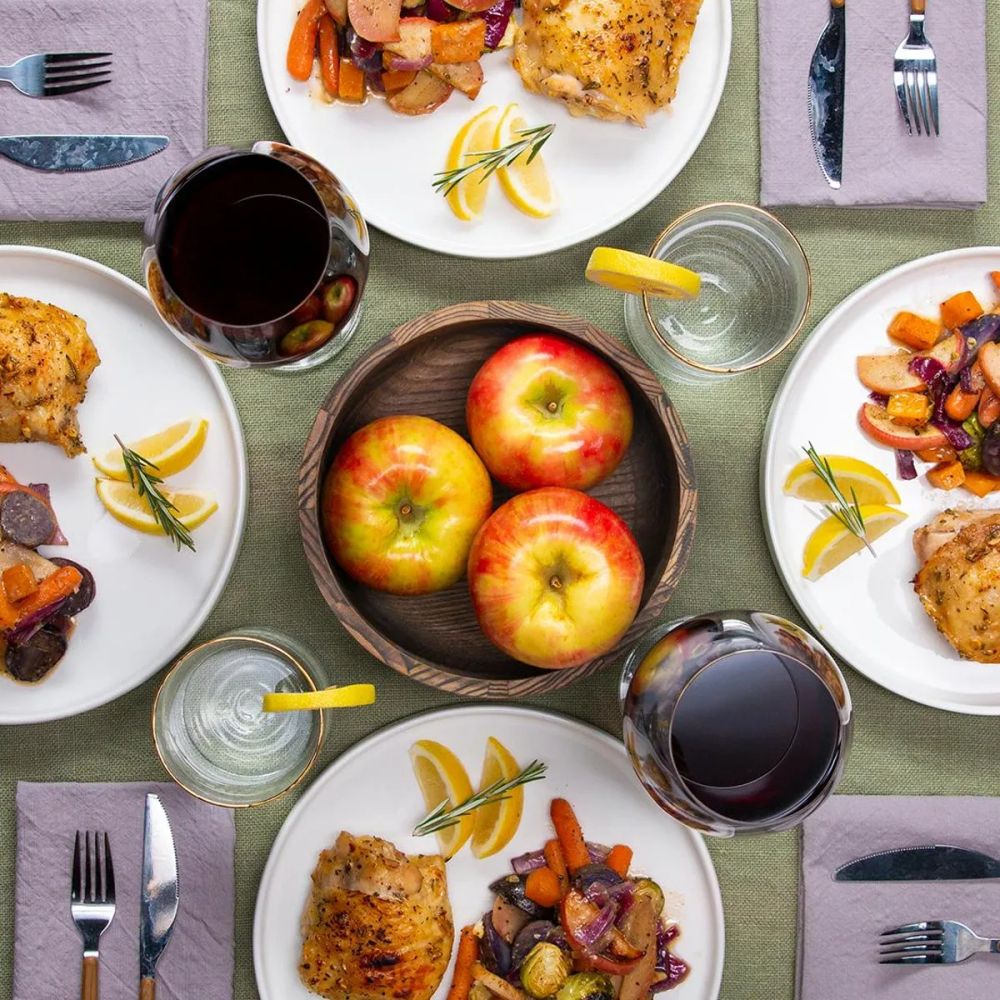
point(920, 864)
point(827, 73)
point(80, 152)
point(160, 893)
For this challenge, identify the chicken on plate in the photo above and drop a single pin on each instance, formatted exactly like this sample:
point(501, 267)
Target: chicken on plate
point(614, 59)
point(959, 581)
point(378, 923)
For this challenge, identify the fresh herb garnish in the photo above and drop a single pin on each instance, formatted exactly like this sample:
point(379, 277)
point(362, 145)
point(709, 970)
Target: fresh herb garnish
point(441, 816)
point(489, 160)
point(848, 512)
point(142, 476)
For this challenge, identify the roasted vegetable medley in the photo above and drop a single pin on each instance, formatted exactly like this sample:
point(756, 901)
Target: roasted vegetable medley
point(571, 922)
point(39, 597)
point(939, 402)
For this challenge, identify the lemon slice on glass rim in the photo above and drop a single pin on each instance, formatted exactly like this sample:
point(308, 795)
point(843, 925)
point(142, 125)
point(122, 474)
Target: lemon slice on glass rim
point(170, 450)
point(637, 274)
point(349, 696)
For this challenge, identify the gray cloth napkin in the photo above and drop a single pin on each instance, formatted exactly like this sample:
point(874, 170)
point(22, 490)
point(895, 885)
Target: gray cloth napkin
point(198, 961)
point(840, 921)
point(883, 165)
point(157, 88)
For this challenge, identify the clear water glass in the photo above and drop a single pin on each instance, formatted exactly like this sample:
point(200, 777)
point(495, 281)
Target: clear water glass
point(755, 294)
point(210, 729)
point(735, 721)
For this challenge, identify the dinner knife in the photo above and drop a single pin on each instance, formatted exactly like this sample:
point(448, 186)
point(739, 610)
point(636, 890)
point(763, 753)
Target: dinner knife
point(920, 864)
point(827, 73)
point(160, 893)
point(80, 152)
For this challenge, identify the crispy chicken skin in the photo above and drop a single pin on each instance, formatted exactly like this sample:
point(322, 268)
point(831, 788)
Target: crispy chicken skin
point(378, 924)
point(614, 59)
point(46, 358)
point(928, 539)
point(959, 584)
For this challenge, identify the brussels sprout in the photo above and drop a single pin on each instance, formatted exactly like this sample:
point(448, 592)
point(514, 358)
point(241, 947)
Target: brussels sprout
point(646, 888)
point(972, 457)
point(545, 970)
point(587, 986)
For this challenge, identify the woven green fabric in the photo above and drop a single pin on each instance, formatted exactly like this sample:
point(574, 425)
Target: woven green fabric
point(898, 748)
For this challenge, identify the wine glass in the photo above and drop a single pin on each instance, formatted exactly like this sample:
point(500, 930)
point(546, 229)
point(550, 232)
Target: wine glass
point(735, 721)
point(257, 257)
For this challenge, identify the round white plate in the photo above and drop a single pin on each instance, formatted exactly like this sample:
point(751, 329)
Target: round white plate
point(371, 790)
point(151, 599)
point(865, 609)
point(603, 172)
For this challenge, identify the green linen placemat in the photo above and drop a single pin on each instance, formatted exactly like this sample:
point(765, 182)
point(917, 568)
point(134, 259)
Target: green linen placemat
point(898, 748)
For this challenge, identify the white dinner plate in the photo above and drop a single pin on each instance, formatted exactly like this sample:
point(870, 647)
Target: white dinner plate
point(865, 609)
point(371, 790)
point(603, 172)
point(151, 599)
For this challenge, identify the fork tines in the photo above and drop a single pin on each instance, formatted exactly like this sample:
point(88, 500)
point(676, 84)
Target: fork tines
point(71, 72)
point(912, 944)
point(93, 869)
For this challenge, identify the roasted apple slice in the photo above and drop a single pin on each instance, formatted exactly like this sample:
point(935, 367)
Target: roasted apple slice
point(421, 97)
point(879, 426)
point(464, 77)
point(375, 20)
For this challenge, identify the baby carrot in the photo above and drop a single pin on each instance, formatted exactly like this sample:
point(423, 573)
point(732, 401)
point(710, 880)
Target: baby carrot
point(302, 44)
point(468, 955)
point(574, 848)
point(619, 859)
point(329, 55)
point(542, 887)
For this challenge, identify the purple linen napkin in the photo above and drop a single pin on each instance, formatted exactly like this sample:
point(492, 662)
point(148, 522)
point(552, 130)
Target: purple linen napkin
point(883, 165)
point(840, 921)
point(157, 88)
point(198, 960)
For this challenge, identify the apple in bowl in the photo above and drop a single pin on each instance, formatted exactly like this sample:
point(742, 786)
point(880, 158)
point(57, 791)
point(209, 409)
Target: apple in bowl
point(401, 504)
point(555, 577)
point(544, 411)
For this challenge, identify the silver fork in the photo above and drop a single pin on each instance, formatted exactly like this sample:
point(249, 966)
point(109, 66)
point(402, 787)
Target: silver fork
point(55, 74)
point(933, 942)
point(915, 76)
point(92, 901)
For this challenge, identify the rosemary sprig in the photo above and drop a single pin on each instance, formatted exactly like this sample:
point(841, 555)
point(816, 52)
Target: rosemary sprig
point(489, 160)
point(441, 816)
point(848, 512)
point(142, 476)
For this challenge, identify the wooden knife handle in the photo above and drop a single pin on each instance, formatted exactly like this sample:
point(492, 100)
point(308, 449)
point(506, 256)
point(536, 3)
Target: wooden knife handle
point(147, 989)
point(88, 980)
point(917, 6)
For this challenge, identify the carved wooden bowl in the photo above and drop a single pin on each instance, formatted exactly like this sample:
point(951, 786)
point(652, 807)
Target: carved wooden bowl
point(425, 367)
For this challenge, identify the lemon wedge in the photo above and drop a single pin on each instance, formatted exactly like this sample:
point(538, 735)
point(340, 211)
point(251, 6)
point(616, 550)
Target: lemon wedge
point(831, 543)
point(636, 273)
point(497, 822)
point(441, 778)
point(869, 485)
point(526, 184)
point(193, 507)
point(170, 450)
point(468, 197)
point(349, 696)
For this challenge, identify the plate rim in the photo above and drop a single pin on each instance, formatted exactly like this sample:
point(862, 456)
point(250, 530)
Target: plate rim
point(235, 428)
point(358, 749)
point(823, 329)
point(551, 245)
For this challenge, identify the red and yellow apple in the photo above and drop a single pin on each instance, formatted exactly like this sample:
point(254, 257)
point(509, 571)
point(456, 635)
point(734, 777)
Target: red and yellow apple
point(879, 426)
point(402, 503)
point(544, 411)
point(556, 578)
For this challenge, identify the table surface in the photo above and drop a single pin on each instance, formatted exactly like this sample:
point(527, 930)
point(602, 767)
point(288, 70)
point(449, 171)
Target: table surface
point(898, 747)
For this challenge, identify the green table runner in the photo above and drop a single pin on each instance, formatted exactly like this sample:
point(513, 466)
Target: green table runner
point(899, 747)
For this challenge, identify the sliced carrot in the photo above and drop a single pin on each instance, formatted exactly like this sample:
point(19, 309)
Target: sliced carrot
point(351, 86)
point(397, 79)
point(542, 887)
point(465, 961)
point(302, 44)
point(989, 409)
point(19, 582)
point(960, 404)
point(64, 581)
point(574, 848)
point(619, 859)
point(329, 55)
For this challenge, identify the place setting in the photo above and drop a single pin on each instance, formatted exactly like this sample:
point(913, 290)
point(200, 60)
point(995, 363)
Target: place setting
point(497, 500)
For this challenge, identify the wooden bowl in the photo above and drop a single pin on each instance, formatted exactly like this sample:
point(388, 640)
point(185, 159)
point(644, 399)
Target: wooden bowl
point(425, 367)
